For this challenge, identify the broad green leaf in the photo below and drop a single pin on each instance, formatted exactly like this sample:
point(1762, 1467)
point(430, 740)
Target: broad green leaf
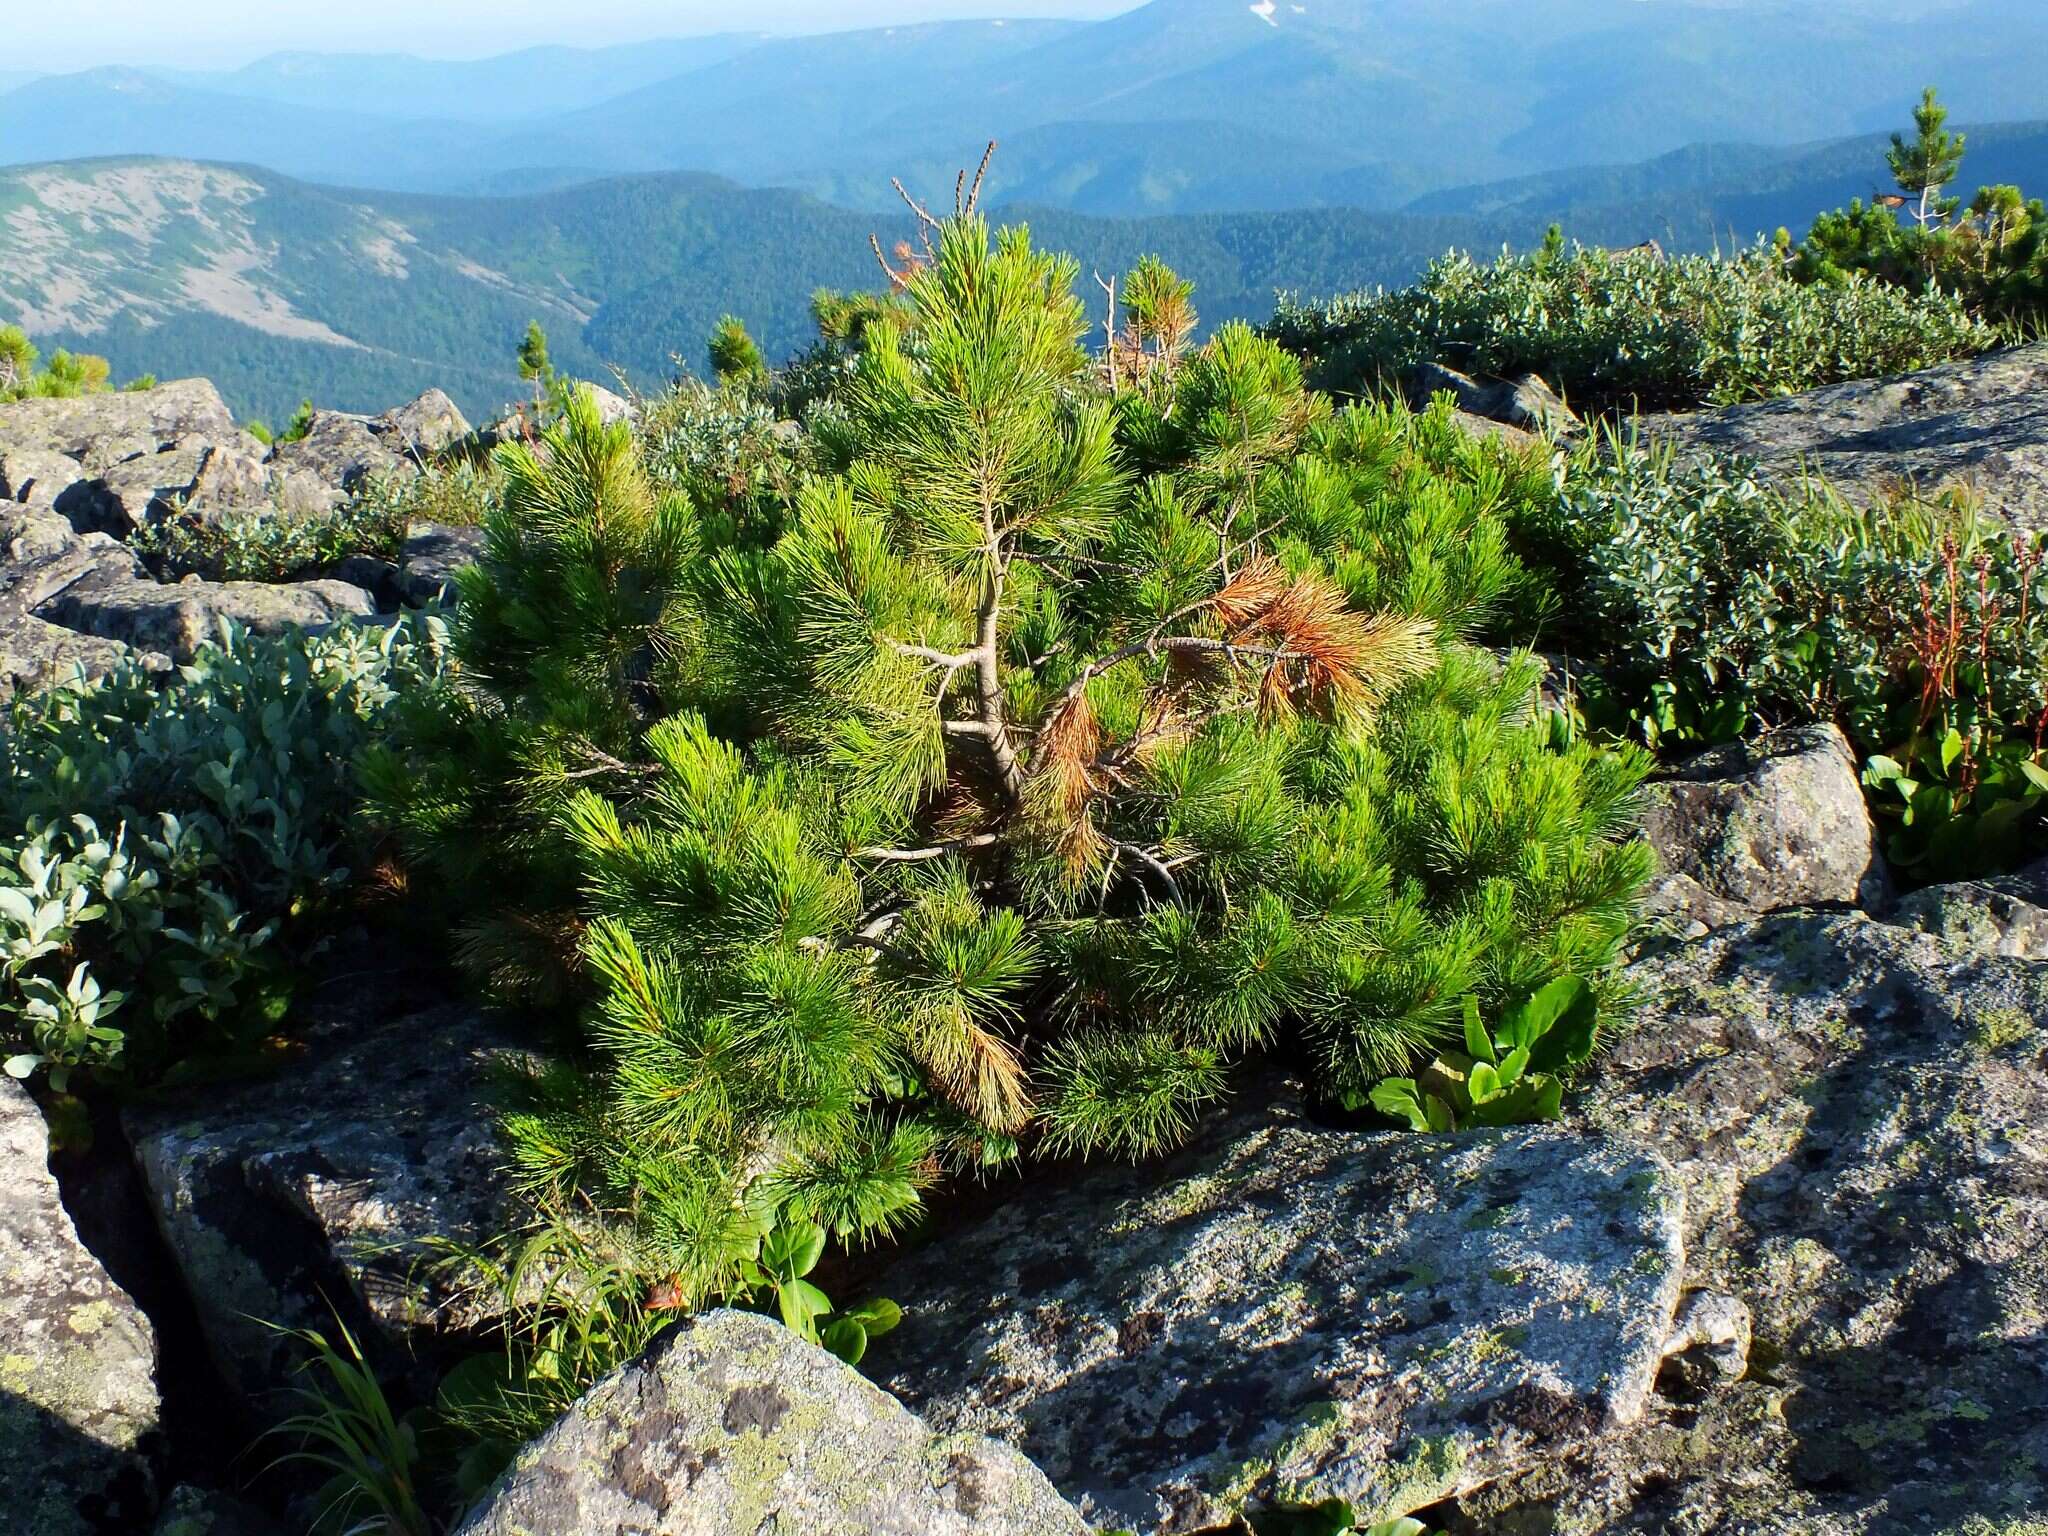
point(1477, 1045)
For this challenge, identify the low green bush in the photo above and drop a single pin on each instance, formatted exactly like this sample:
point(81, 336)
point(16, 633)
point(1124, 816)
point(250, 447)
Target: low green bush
point(271, 544)
point(1059, 751)
point(1630, 329)
point(1707, 602)
point(165, 842)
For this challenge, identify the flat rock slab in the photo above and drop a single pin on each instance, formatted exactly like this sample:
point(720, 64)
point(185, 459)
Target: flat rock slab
point(332, 1179)
point(176, 618)
point(78, 1399)
point(1978, 424)
point(139, 421)
point(1288, 1314)
point(733, 1426)
point(1859, 1114)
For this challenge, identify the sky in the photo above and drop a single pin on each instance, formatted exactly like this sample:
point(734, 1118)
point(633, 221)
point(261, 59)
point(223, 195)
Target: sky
point(222, 34)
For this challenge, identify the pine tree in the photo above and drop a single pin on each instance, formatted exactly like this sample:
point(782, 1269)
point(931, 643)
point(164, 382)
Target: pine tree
point(534, 364)
point(735, 359)
point(1923, 167)
point(1061, 752)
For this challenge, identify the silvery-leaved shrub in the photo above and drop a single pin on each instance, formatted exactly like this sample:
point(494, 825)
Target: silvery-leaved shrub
point(160, 839)
point(1630, 328)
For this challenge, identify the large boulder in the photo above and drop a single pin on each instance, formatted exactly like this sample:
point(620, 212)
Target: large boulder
point(41, 557)
point(1859, 1115)
point(420, 428)
point(336, 1179)
point(1287, 1314)
point(1761, 825)
point(176, 618)
point(730, 1425)
point(339, 450)
point(78, 1398)
point(103, 429)
point(1976, 424)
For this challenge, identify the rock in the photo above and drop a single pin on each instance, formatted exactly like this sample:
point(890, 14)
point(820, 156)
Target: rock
point(2002, 915)
point(1286, 1313)
point(1527, 404)
point(106, 428)
point(730, 1425)
point(377, 577)
point(36, 656)
point(423, 427)
point(432, 554)
point(78, 1399)
point(334, 1178)
point(1500, 431)
point(1708, 1347)
point(191, 1511)
point(143, 490)
point(1859, 1115)
point(36, 476)
point(339, 450)
point(611, 408)
point(1760, 825)
point(177, 618)
point(1977, 424)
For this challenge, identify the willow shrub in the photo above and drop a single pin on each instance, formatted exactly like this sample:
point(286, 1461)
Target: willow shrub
point(1630, 328)
point(1061, 750)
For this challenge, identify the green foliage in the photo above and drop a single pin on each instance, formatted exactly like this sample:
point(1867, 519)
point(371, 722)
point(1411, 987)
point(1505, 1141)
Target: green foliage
point(534, 364)
point(725, 450)
point(67, 373)
point(1707, 602)
point(166, 845)
point(348, 1430)
point(1631, 328)
point(1046, 754)
point(1993, 256)
point(1931, 161)
point(1511, 1075)
point(301, 423)
point(1331, 1517)
point(735, 358)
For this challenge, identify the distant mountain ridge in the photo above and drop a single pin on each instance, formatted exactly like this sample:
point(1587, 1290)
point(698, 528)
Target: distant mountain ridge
point(1175, 106)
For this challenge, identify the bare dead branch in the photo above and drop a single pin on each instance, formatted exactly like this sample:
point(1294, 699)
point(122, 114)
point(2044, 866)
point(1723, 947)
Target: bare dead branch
point(925, 855)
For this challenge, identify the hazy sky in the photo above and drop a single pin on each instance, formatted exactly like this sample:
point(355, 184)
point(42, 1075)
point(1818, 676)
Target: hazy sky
point(204, 34)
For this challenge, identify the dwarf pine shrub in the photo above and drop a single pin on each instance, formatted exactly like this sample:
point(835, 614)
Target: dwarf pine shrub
point(1630, 329)
point(164, 843)
point(1062, 750)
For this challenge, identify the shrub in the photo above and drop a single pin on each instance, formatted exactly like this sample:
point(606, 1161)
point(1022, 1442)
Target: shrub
point(1630, 329)
point(165, 843)
point(726, 451)
point(1709, 602)
point(1061, 752)
point(66, 374)
point(271, 544)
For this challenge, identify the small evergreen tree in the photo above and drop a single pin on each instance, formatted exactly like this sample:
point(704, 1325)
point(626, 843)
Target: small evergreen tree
point(735, 359)
point(1923, 167)
point(534, 364)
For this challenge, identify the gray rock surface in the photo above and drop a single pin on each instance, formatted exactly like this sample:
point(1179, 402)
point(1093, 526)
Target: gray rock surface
point(1527, 404)
point(432, 554)
point(334, 1176)
point(177, 618)
point(1978, 424)
point(78, 1399)
point(106, 428)
point(1283, 1313)
point(1757, 826)
point(40, 558)
point(1859, 1115)
point(730, 1425)
point(1999, 915)
point(429, 425)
